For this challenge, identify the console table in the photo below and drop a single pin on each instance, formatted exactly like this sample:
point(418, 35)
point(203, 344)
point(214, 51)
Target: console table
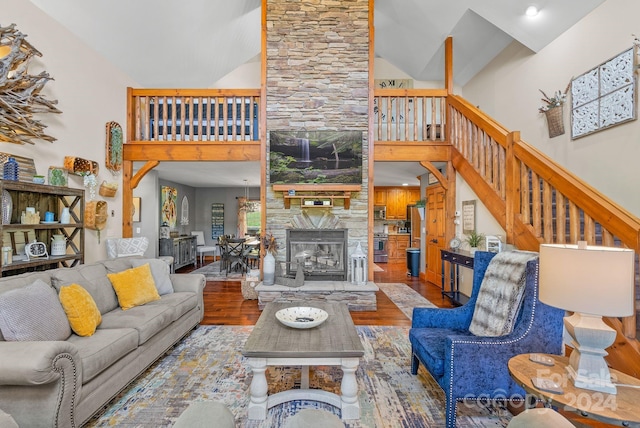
point(619, 409)
point(182, 248)
point(455, 258)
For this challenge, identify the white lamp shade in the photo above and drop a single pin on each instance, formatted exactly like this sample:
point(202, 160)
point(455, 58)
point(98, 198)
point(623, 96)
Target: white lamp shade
point(587, 279)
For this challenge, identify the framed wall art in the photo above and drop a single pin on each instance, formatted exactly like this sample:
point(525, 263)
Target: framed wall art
point(217, 220)
point(604, 96)
point(468, 216)
point(169, 209)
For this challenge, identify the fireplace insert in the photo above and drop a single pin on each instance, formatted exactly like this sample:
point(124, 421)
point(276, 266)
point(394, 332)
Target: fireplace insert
point(322, 253)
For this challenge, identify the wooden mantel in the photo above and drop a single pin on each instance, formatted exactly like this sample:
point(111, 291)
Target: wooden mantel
point(317, 191)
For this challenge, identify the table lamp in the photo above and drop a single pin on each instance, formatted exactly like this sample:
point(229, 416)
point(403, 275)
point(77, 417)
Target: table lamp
point(591, 282)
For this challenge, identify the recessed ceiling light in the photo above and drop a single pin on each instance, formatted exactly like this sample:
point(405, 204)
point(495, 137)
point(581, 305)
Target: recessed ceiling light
point(532, 11)
point(405, 184)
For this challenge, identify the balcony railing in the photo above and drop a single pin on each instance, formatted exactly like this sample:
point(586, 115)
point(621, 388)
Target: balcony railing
point(409, 115)
point(194, 114)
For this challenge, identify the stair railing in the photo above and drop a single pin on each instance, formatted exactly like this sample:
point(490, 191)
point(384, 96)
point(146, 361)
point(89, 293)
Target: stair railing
point(535, 199)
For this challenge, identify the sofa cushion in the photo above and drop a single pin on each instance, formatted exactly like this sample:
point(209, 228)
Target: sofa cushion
point(179, 303)
point(118, 265)
point(500, 295)
point(93, 278)
point(105, 347)
point(160, 273)
point(430, 345)
point(147, 320)
point(32, 313)
point(134, 287)
point(82, 312)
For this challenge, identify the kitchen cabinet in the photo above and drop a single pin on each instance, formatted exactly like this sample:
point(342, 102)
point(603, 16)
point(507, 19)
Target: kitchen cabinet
point(413, 196)
point(396, 200)
point(380, 197)
point(396, 204)
point(182, 248)
point(15, 235)
point(397, 247)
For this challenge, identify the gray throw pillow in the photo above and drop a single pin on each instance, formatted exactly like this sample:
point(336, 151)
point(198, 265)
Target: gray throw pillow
point(160, 273)
point(33, 313)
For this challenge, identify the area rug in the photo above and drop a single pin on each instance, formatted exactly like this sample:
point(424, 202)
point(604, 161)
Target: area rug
point(207, 365)
point(214, 272)
point(404, 297)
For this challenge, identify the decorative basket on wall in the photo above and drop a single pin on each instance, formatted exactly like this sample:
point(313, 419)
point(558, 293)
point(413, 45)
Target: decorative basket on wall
point(555, 121)
point(95, 215)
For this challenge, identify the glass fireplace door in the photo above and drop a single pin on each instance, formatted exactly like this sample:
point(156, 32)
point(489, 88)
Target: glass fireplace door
point(321, 252)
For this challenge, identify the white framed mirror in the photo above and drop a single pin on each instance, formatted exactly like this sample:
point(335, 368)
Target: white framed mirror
point(184, 211)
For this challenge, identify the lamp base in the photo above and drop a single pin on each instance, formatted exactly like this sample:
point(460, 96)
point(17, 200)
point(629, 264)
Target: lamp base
point(587, 366)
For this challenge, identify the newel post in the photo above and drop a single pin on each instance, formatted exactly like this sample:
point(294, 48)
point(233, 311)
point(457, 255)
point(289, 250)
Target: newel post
point(512, 194)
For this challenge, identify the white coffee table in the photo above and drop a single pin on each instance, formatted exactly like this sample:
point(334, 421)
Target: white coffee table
point(333, 343)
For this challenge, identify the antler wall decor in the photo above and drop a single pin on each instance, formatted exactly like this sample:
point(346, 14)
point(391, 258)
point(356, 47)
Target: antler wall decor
point(20, 92)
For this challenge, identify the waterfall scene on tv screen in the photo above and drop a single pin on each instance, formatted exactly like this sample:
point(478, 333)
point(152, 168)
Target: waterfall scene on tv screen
point(315, 157)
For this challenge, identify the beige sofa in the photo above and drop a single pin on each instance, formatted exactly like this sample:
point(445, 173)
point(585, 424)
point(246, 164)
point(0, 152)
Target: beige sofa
point(63, 383)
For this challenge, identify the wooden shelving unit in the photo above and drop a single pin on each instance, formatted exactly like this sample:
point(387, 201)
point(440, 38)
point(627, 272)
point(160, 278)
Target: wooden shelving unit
point(43, 198)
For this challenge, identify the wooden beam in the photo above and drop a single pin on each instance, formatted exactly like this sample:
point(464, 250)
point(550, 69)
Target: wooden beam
point(436, 172)
point(411, 151)
point(127, 199)
point(135, 180)
point(193, 151)
point(448, 65)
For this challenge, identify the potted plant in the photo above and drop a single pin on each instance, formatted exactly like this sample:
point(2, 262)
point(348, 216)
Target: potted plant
point(474, 239)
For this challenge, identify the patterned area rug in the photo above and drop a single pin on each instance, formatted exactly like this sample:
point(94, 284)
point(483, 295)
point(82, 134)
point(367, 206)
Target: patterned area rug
point(214, 272)
point(405, 297)
point(207, 365)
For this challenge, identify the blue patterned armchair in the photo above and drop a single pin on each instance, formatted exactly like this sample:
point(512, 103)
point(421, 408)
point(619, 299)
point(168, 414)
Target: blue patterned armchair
point(469, 366)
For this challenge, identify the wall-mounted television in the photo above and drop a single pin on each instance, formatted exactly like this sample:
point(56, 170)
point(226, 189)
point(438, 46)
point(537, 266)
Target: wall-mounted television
point(315, 157)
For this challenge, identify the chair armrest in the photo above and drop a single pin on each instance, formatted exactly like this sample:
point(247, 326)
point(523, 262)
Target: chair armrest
point(455, 318)
point(38, 363)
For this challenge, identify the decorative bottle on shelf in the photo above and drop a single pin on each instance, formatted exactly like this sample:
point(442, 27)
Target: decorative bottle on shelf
point(65, 216)
point(11, 169)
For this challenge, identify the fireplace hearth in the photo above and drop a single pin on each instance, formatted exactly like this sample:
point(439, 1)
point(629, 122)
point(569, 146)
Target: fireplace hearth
point(321, 252)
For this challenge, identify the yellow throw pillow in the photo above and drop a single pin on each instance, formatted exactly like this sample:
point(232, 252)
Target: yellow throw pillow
point(134, 287)
point(82, 311)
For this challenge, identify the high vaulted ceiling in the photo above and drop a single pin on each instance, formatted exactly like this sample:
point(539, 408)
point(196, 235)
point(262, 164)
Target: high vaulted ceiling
point(194, 43)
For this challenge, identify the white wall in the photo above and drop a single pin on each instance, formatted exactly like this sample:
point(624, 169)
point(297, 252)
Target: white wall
point(507, 89)
point(90, 93)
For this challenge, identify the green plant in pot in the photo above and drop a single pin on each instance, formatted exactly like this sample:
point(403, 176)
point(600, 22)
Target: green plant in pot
point(474, 239)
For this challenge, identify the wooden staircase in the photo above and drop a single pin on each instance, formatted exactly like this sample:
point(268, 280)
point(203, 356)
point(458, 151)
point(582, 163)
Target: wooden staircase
point(537, 201)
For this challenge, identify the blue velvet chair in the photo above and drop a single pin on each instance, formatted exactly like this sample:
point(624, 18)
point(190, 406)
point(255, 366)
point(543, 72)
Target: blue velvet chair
point(472, 367)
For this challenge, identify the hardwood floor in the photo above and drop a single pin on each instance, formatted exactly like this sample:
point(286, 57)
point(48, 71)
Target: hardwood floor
point(224, 304)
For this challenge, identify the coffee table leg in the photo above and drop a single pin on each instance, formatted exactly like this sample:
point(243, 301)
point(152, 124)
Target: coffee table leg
point(349, 389)
point(258, 389)
point(304, 377)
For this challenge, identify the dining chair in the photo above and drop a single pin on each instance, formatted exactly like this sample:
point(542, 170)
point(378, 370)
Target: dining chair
point(202, 248)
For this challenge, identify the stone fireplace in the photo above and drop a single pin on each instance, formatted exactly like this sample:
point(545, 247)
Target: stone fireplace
point(317, 64)
point(322, 253)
